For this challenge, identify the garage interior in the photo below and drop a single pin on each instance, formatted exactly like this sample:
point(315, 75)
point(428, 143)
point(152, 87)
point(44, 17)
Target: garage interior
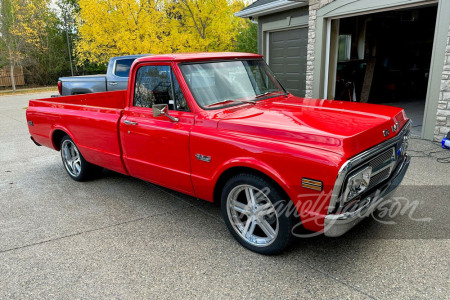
point(383, 58)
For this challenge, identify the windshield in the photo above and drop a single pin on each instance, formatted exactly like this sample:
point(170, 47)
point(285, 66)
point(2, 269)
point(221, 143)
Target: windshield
point(223, 83)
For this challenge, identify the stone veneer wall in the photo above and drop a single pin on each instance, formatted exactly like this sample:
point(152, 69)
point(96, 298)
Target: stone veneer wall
point(443, 112)
point(314, 5)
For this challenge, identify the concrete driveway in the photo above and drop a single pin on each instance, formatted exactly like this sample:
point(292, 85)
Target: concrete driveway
point(119, 237)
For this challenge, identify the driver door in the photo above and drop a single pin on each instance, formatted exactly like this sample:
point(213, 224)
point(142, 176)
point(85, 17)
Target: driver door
point(156, 149)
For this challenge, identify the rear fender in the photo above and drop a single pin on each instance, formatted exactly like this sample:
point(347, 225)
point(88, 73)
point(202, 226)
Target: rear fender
point(65, 130)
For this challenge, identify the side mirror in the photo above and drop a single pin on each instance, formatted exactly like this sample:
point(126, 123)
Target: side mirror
point(162, 110)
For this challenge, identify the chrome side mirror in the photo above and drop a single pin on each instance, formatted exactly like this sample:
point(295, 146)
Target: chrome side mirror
point(162, 110)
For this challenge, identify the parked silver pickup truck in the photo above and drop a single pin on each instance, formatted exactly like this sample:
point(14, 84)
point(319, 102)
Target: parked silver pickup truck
point(116, 78)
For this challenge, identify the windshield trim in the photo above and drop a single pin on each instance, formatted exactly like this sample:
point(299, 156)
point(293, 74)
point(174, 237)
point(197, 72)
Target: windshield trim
point(232, 104)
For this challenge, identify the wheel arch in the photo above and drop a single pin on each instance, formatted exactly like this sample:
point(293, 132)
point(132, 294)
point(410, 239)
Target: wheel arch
point(81, 92)
point(228, 173)
point(57, 136)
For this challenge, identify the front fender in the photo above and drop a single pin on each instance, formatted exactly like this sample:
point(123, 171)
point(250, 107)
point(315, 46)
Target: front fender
point(251, 163)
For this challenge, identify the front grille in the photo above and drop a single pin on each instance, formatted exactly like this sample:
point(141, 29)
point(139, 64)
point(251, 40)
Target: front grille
point(381, 159)
point(380, 177)
point(382, 166)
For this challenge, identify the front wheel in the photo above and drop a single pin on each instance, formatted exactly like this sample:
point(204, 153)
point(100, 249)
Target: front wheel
point(74, 163)
point(253, 210)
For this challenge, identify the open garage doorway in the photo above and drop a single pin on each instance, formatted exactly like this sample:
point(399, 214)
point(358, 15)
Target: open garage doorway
point(384, 58)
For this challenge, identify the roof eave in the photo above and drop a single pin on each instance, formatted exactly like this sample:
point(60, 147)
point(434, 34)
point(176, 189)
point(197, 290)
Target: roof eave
point(270, 8)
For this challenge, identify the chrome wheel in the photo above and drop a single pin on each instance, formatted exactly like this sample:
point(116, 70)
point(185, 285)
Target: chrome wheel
point(252, 215)
point(71, 158)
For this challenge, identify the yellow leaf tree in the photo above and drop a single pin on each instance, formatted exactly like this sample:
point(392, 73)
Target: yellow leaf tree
point(30, 34)
point(9, 41)
point(204, 25)
point(32, 18)
point(119, 27)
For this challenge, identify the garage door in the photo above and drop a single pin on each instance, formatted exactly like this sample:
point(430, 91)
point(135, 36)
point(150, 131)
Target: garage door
point(287, 58)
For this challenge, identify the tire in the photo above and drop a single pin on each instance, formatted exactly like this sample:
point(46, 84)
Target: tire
point(252, 209)
point(74, 163)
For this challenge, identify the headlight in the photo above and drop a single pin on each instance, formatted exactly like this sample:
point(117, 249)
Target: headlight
point(357, 184)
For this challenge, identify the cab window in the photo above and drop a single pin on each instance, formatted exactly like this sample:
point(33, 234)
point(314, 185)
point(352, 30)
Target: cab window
point(158, 85)
point(123, 67)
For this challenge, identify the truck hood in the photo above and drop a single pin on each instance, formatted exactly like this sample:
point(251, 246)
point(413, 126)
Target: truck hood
point(345, 128)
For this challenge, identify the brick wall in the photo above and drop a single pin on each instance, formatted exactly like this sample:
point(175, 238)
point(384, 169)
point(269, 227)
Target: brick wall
point(443, 112)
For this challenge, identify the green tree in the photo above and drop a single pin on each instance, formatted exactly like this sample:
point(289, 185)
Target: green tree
point(37, 35)
point(69, 11)
point(9, 41)
point(42, 44)
point(247, 39)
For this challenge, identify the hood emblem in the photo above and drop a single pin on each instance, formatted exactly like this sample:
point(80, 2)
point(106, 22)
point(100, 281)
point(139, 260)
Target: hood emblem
point(386, 132)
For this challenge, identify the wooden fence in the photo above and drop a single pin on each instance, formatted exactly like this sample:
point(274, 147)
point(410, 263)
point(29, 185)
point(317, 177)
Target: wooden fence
point(5, 76)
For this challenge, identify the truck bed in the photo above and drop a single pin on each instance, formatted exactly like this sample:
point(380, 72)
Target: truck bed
point(83, 84)
point(92, 120)
point(115, 100)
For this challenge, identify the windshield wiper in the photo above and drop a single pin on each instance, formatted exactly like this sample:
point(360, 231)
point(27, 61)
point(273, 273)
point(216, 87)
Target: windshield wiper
point(263, 94)
point(232, 100)
point(267, 93)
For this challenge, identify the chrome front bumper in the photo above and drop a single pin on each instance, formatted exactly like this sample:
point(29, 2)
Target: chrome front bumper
point(338, 224)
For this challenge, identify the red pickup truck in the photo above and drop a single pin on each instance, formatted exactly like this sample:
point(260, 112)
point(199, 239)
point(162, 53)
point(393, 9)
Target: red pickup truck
point(220, 127)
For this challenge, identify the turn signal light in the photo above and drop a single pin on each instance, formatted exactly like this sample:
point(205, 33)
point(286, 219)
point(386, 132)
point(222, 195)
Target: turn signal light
point(312, 184)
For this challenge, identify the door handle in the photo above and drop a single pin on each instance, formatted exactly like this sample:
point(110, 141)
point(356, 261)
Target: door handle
point(127, 122)
point(113, 83)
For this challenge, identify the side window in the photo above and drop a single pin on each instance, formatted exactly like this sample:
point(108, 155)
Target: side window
point(123, 66)
point(154, 86)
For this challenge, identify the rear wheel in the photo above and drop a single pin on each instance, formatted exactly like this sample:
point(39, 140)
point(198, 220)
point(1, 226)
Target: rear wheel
point(252, 208)
point(74, 163)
